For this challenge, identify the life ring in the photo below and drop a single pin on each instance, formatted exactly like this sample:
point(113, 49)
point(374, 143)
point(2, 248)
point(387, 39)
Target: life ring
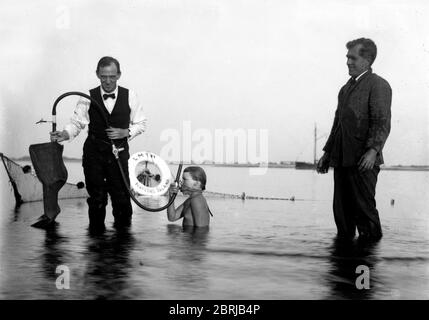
point(165, 174)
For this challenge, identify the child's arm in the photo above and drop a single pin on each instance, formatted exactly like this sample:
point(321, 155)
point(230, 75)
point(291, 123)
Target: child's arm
point(174, 214)
point(200, 212)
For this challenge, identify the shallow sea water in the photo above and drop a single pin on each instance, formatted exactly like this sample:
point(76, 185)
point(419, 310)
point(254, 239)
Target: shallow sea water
point(254, 249)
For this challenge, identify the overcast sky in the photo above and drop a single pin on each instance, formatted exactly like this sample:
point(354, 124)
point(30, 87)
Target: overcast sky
point(275, 65)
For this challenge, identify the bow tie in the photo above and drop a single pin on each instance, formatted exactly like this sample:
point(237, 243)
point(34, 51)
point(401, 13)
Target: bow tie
point(105, 96)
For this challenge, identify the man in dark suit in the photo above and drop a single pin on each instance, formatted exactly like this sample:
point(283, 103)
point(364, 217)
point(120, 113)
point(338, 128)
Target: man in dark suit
point(354, 147)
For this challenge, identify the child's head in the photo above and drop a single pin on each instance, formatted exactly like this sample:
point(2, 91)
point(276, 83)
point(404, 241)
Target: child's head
point(194, 178)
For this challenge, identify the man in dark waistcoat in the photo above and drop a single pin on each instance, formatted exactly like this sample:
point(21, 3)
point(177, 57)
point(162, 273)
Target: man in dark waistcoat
point(126, 120)
point(354, 147)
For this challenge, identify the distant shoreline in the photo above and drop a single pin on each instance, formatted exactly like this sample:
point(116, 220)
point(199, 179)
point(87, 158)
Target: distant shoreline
point(406, 168)
point(27, 158)
point(290, 165)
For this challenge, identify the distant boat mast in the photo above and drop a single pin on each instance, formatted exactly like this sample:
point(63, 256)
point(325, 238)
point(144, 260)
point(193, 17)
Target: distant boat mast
point(315, 145)
point(309, 165)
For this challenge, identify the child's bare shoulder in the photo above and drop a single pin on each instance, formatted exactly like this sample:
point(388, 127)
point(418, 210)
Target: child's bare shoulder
point(199, 202)
point(198, 198)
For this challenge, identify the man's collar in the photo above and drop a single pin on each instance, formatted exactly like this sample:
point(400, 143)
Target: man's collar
point(104, 92)
point(360, 76)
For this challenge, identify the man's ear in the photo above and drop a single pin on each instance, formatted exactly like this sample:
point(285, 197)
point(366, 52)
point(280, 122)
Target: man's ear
point(119, 75)
point(368, 63)
point(98, 75)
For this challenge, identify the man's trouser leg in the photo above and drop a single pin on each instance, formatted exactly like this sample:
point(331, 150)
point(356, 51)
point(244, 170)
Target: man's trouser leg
point(342, 205)
point(121, 202)
point(94, 168)
point(363, 189)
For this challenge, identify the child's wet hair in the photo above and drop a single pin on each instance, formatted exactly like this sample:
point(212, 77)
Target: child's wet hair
point(198, 174)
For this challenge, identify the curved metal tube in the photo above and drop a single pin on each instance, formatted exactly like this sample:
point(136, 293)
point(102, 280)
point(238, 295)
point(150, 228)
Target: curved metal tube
point(100, 109)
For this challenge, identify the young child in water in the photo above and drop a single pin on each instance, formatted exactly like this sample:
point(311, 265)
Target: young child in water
point(194, 211)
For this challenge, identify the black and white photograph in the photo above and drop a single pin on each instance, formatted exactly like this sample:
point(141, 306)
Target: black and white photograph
point(214, 150)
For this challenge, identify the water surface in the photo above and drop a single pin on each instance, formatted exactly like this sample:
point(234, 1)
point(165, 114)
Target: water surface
point(253, 250)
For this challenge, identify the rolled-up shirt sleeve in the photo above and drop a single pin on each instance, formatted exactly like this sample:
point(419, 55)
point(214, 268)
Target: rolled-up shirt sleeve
point(137, 117)
point(79, 120)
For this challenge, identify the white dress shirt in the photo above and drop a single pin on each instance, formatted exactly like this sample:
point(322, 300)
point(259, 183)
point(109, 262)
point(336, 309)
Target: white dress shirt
point(357, 78)
point(80, 116)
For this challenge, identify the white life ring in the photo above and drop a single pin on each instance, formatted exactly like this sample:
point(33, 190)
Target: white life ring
point(165, 173)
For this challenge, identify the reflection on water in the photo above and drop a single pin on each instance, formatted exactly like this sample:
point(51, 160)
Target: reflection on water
point(188, 249)
point(107, 270)
point(254, 249)
point(345, 257)
point(54, 253)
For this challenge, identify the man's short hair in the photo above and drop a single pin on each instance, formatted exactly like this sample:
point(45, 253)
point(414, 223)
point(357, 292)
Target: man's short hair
point(107, 61)
point(368, 50)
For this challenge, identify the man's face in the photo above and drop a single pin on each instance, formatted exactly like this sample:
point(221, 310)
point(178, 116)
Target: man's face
point(108, 76)
point(355, 62)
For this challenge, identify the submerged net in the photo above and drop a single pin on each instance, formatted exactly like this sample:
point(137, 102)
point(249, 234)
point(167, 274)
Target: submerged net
point(27, 187)
point(8, 166)
point(243, 196)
